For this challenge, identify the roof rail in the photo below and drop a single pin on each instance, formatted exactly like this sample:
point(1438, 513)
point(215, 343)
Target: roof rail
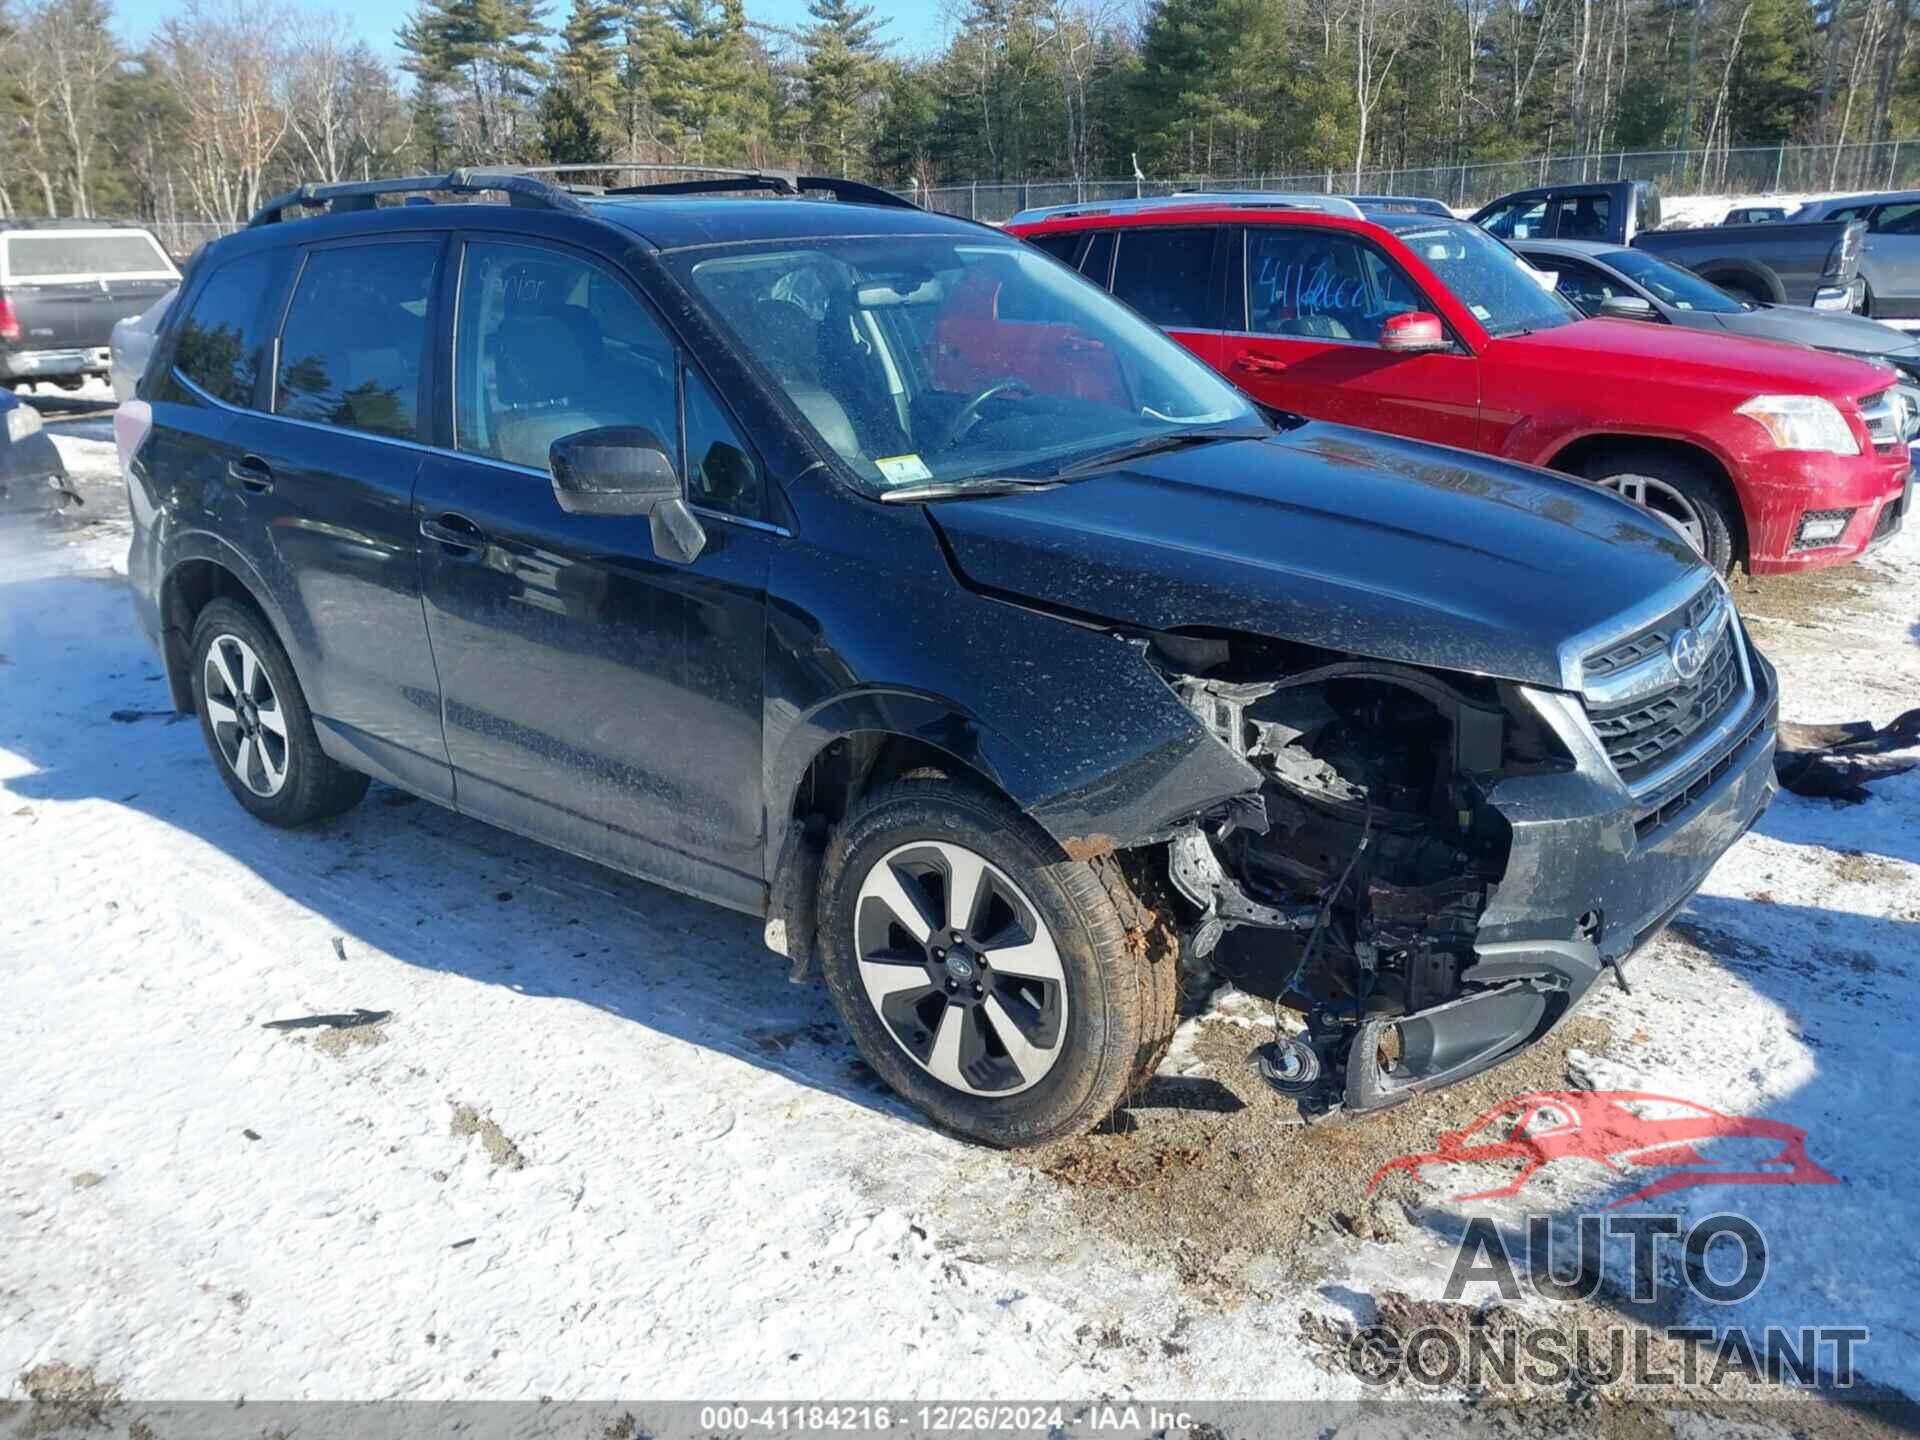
point(524, 187)
point(715, 180)
point(521, 190)
point(1228, 199)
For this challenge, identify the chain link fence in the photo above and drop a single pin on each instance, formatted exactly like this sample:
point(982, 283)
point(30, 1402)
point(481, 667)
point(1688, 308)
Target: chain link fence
point(1751, 170)
point(1754, 170)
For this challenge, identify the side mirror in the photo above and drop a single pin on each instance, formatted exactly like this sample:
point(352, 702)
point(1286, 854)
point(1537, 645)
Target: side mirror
point(1627, 307)
point(1412, 333)
point(626, 470)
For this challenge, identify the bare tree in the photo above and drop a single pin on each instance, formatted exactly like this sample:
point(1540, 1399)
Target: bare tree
point(1379, 37)
point(79, 57)
point(315, 76)
point(225, 65)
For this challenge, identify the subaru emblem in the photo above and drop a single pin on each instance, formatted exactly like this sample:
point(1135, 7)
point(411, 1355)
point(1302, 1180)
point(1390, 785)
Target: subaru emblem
point(1687, 652)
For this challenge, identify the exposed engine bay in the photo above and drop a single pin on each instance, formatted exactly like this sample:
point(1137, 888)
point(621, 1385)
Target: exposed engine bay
point(1356, 878)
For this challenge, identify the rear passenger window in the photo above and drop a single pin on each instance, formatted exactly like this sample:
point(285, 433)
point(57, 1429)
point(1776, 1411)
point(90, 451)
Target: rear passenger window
point(222, 340)
point(1167, 275)
point(352, 348)
point(550, 345)
point(1585, 217)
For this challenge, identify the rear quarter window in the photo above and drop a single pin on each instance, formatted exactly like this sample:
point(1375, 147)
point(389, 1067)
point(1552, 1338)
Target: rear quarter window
point(222, 340)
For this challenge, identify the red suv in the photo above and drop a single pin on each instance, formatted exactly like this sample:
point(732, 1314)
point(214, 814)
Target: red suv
point(1785, 458)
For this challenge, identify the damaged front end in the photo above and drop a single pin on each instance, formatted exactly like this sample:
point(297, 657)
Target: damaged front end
point(1426, 868)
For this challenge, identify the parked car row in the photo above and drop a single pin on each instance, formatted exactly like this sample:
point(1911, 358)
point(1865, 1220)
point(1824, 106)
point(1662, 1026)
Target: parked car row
point(862, 569)
point(1768, 454)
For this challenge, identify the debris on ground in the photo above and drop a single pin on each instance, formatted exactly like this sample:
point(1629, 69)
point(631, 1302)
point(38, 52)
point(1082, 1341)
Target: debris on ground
point(502, 1151)
point(1837, 762)
point(65, 1397)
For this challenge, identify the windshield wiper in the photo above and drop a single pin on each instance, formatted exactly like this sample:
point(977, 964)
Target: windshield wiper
point(965, 487)
point(1153, 445)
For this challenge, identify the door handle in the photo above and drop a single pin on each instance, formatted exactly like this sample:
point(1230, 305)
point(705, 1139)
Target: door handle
point(456, 532)
point(1255, 363)
point(252, 472)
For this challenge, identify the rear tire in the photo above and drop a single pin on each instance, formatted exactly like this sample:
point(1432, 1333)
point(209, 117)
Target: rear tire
point(254, 718)
point(1025, 1017)
point(1680, 489)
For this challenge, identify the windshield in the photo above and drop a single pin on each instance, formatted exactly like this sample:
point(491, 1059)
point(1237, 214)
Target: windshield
point(1503, 293)
point(1671, 285)
point(943, 359)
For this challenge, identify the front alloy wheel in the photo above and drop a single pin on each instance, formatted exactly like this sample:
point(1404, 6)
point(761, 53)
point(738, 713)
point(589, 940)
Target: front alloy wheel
point(988, 979)
point(960, 969)
point(1666, 501)
point(249, 726)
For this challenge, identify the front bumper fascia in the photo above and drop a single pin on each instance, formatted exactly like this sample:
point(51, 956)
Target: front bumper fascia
point(1593, 874)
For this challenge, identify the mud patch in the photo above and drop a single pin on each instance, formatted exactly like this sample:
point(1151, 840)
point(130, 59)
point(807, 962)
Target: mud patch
point(340, 1043)
point(1856, 867)
point(1586, 1386)
point(65, 1397)
point(1230, 1189)
point(468, 1121)
point(87, 1179)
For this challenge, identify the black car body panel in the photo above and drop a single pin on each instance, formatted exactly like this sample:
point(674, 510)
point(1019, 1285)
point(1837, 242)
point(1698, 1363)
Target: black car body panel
point(1087, 649)
point(33, 478)
point(1333, 537)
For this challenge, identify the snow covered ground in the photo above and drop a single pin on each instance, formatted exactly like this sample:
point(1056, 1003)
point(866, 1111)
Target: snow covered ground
point(600, 1148)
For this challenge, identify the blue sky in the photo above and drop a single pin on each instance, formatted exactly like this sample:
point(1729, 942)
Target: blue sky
point(914, 26)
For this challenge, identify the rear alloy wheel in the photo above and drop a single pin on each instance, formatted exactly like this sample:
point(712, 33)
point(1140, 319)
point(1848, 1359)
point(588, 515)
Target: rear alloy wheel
point(249, 727)
point(986, 978)
point(254, 718)
point(1677, 491)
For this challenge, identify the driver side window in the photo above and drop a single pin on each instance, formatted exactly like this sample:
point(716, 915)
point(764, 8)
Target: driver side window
point(549, 345)
point(1320, 284)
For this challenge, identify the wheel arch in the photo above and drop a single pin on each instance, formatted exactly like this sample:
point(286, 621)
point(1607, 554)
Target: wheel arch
point(1581, 456)
point(1746, 275)
point(204, 568)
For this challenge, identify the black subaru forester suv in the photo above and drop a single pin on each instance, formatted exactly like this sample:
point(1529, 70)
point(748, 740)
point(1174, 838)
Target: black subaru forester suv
point(870, 572)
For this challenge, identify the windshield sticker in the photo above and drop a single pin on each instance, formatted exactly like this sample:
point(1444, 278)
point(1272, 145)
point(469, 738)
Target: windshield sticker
point(902, 469)
point(1480, 312)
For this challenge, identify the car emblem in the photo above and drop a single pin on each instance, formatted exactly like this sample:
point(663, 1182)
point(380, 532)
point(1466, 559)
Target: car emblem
point(1687, 652)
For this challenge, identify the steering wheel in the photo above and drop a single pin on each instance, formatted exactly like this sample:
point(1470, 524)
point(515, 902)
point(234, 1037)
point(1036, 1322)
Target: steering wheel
point(969, 414)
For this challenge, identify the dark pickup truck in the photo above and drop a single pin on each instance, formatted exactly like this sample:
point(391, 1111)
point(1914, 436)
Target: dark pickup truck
point(63, 284)
point(1776, 263)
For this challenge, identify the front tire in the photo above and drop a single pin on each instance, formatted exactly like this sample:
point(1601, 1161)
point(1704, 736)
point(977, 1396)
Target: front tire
point(254, 718)
point(1680, 490)
point(986, 979)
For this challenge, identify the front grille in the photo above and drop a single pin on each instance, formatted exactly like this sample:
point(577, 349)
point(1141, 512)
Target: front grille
point(1885, 413)
point(1652, 640)
point(1892, 513)
point(1643, 734)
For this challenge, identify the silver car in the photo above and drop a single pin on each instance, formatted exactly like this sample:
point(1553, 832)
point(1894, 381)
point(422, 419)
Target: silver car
point(1630, 284)
point(1890, 263)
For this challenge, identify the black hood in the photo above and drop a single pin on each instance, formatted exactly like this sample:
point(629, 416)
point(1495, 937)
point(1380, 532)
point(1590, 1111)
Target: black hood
point(1329, 536)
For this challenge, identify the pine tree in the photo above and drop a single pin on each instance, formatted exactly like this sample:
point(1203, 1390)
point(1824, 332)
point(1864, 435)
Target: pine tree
point(844, 72)
point(586, 70)
point(491, 51)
